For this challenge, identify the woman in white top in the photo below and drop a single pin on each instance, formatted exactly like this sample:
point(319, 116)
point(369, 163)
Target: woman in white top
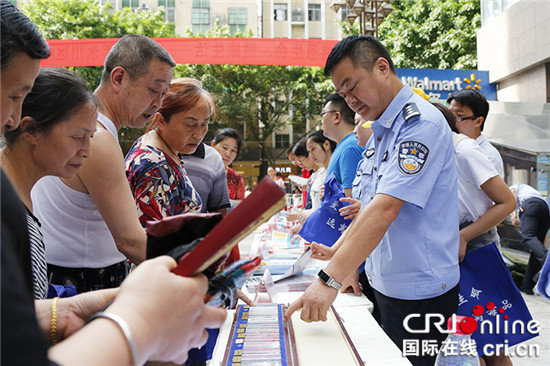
point(58, 119)
point(304, 161)
point(319, 151)
point(484, 199)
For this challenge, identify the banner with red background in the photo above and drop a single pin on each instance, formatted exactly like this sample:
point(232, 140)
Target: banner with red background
point(221, 51)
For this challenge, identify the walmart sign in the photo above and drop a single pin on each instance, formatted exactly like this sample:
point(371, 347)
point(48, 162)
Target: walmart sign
point(438, 84)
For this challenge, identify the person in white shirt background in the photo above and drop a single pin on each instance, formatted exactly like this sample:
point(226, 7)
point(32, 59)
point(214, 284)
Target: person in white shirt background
point(532, 217)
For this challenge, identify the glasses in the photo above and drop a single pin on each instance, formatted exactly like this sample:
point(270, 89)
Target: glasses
point(461, 118)
point(299, 161)
point(325, 112)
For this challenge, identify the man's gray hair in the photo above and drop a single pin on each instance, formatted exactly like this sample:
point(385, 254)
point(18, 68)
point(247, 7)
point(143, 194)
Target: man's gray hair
point(134, 53)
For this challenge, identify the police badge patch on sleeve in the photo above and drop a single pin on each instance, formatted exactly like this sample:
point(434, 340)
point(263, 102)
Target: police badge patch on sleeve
point(412, 156)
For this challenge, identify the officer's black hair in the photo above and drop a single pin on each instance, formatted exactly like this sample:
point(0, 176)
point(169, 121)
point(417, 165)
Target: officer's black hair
point(474, 100)
point(362, 50)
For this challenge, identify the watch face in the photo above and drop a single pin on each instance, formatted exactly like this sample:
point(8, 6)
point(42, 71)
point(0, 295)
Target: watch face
point(323, 275)
point(329, 281)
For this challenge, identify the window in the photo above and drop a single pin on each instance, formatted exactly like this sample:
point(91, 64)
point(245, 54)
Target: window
point(200, 18)
point(204, 4)
point(167, 3)
point(130, 3)
point(297, 15)
point(282, 141)
point(169, 10)
point(237, 19)
point(344, 12)
point(314, 12)
point(280, 12)
point(170, 15)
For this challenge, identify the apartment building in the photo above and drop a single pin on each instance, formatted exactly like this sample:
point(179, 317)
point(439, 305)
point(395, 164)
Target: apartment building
point(300, 19)
point(269, 19)
point(513, 44)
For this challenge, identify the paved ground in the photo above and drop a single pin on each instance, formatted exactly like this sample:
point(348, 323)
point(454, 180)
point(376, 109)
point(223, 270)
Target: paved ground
point(540, 310)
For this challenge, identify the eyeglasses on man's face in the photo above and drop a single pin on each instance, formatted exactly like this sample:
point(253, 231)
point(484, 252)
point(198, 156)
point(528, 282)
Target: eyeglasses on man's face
point(462, 118)
point(325, 112)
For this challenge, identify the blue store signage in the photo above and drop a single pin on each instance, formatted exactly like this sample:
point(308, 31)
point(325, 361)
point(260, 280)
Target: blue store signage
point(438, 84)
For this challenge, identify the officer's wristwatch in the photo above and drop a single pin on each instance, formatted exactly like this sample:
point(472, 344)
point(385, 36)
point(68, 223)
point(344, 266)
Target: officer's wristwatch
point(328, 280)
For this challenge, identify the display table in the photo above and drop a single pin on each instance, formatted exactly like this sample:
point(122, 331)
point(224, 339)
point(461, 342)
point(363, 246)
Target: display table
point(372, 344)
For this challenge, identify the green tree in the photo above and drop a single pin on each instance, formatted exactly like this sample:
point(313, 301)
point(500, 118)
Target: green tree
point(76, 19)
point(438, 34)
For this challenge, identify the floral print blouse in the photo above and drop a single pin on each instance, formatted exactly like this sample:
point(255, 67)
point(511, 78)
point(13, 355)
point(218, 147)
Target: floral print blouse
point(159, 184)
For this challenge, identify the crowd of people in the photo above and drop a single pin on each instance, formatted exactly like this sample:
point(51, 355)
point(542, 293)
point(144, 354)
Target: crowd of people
point(422, 183)
point(428, 188)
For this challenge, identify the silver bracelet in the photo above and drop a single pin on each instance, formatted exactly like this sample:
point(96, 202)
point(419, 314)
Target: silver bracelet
point(125, 329)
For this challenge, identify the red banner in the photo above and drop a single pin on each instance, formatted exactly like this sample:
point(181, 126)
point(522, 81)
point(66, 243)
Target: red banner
point(221, 51)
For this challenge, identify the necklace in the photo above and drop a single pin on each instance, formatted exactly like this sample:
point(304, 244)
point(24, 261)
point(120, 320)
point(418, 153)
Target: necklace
point(177, 156)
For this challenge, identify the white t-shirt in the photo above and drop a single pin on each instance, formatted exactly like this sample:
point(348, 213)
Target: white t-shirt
point(474, 169)
point(492, 153)
point(75, 234)
point(317, 180)
point(524, 192)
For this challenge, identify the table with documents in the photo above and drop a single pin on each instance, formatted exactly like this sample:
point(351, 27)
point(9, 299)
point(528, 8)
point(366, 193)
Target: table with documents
point(318, 344)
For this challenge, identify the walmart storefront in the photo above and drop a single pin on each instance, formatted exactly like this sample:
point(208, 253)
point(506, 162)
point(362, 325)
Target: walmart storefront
point(520, 131)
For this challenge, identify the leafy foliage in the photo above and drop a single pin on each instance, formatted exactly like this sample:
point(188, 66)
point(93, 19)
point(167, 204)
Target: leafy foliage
point(74, 19)
point(437, 34)
point(257, 99)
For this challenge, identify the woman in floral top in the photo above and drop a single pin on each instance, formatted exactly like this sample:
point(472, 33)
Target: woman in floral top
point(154, 169)
point(228, 143)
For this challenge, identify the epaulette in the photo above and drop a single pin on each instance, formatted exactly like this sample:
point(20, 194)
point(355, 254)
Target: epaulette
point(410, 110)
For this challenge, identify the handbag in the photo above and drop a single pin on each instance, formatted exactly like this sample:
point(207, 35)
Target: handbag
point(325, 225)
point(489, 295)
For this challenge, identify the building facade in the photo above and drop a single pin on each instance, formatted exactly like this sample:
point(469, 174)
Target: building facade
point(513, 44)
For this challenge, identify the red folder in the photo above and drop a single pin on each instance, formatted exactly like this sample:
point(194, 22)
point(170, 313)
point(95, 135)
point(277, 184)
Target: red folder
point(264, 201)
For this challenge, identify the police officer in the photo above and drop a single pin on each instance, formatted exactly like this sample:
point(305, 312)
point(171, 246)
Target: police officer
point(408, 228)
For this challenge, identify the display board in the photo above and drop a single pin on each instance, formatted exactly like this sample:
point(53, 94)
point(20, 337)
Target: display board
point(259, 336)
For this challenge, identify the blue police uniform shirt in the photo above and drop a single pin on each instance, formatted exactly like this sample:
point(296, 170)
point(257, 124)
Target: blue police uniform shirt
point(344, 160)
point(414, 161)
point(356, 185)
point(361, 184)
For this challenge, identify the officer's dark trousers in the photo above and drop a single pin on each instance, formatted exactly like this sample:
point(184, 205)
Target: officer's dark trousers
point(394, 311)
point(534, 223)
